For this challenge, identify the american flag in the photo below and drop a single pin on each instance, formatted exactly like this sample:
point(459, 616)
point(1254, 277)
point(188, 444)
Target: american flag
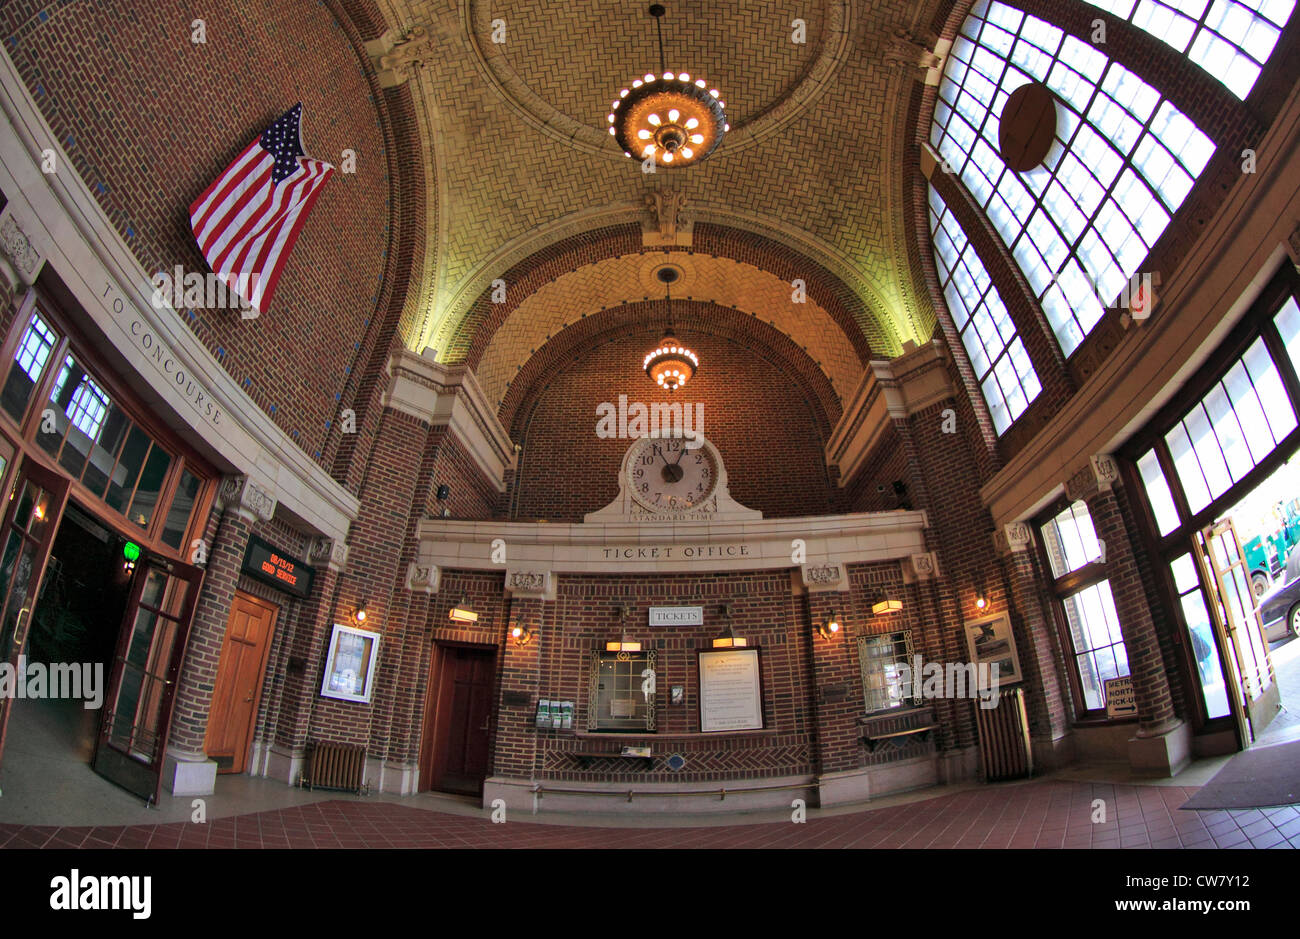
point(247, 221)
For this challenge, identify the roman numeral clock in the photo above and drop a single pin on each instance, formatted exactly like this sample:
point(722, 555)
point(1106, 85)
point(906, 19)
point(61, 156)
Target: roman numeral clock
point(673, 479)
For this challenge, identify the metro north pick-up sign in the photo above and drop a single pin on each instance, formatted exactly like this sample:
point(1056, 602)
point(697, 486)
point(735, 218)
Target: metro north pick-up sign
point(271, 566)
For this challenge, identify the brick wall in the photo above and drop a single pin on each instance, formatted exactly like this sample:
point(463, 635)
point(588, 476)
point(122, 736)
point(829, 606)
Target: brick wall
point(344, 286)
point(761, 418)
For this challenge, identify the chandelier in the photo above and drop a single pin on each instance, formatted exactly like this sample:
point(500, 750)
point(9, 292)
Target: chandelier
point(671, 117)
point(670, 364)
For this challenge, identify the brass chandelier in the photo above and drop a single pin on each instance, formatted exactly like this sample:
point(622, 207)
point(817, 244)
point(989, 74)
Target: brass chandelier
point(670, 364)
point(672, 117)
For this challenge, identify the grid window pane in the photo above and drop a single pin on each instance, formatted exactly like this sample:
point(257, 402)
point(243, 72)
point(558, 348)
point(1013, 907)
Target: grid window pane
point(1002, 367)
point(1077, 247)
point(1230, 39)
point(1099, 650)
point(33, 352)
point(1071, 541)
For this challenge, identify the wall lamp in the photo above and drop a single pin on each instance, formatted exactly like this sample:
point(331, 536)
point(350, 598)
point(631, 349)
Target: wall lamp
point(981, 601)
point(521, 635)
point(727, 639)
point(360, 614)
point(830, 628)
point(622, 644)
point(461, 612)
point(885, 606)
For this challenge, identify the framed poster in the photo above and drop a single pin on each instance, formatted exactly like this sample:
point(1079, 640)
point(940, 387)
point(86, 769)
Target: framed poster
point(990, 642)
point(731, 690)
point(350, 668)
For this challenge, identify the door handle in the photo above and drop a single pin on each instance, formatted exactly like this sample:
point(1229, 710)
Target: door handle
point(23, 620)
point(249, 699)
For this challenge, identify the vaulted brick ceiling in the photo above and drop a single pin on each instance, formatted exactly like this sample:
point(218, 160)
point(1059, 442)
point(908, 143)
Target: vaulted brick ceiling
point(519, 155)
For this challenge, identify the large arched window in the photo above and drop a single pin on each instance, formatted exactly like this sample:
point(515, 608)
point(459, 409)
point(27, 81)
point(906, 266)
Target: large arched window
point(997, 355)
point(1123, 160)
point(1230, 39)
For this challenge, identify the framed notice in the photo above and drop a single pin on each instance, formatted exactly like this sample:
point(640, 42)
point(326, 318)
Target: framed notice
point(991, 642)
point(731, 690)
point(350, 669)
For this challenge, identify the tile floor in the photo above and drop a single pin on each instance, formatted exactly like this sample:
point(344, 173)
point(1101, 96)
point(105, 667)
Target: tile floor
point(1044, 814)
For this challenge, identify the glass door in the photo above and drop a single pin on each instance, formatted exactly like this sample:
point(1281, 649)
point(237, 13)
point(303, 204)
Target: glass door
point(31, 517)
point(1257, 697)
point(142, 686)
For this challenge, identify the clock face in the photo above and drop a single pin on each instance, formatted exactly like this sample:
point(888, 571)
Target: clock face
point(665, 475)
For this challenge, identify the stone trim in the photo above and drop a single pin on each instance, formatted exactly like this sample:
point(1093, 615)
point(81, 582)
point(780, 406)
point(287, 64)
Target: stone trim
point(239, 494)
point(817, 578)
point(19, 261)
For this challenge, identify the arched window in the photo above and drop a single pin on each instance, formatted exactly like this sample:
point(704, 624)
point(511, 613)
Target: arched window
point(997, 355)
point(1230, 39)
point(1122, 162)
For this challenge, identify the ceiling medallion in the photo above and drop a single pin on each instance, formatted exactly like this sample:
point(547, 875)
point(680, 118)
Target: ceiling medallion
point(672, 117)
point(670, 364)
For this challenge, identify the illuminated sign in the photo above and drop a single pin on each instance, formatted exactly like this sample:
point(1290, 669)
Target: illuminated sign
point(271, 566)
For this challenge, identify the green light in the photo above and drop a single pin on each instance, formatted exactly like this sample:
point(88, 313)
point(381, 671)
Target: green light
point(131, 551)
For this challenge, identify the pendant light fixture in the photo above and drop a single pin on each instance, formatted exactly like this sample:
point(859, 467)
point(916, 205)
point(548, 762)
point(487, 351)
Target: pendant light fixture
point(674, 117)
point(670, 364)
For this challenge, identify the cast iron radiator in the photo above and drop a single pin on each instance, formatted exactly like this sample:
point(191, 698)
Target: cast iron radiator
point(1004, 737)
point(334, 766)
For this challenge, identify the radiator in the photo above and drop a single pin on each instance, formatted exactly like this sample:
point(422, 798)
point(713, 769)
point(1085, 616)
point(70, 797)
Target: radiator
point(335, 766)
point(1004, 737)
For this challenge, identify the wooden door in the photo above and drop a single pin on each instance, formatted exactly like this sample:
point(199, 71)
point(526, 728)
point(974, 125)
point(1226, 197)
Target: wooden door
point(238, 688)
point(459, 727)
point(31, 518)
point(142, 685)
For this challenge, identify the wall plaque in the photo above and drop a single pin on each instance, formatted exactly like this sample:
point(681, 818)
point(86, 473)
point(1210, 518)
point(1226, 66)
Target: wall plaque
point(731, 695)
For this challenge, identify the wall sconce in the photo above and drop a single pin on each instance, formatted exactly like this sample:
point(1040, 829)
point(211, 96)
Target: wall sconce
point(461, 612)
point(829, 628)
point(727, 639)
point(521, 635)
point(360, 614)
point(885, 606)
point(130, 554)
point(443, 493)
point(622, 644)
point(980, 601)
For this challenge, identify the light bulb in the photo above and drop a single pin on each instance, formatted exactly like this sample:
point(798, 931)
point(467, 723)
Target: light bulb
point(643, 134)
point(697, 138)
point(668, 157)
point(674, 114)
point(654, 119)
point(692, 123)
point(687, 153)
point(649, 77)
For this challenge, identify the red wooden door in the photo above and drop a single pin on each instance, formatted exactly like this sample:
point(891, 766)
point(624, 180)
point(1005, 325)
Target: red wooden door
point(238, 687)
point(462, 719)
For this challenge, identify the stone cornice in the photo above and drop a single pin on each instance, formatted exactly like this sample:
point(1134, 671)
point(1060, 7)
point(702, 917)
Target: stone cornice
point(682, 547)
point(894, 389)
point(449, 396)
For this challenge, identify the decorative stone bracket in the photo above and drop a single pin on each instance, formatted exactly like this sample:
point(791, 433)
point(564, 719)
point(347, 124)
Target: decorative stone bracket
point(397, 57)
point(1013, 537)
point(19, 261)
point(534, 583)
point(666, 223)
point(1101, 473)
point(920, 567)
point(422, 576)
point(329, 552)
point(240, 494)
point(822, 577)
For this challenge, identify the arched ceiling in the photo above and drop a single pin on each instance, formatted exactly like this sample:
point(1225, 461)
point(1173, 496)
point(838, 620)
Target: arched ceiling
point(519, 155)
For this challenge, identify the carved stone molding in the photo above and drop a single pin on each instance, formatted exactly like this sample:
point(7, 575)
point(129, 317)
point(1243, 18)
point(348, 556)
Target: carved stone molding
point(20, 261)
point(329, 553)
point(421, 576)
point(822, 577)
point(918, 567)
point(535, 583)
point(667, 222)
point(912, 52)
point(1019, 536)
point(1081, 484)
point(1106, 470)
point(241, 495)
point(396, 59)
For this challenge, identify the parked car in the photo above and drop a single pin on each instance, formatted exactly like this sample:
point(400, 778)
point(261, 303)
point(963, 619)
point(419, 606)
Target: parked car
point(1279, 608)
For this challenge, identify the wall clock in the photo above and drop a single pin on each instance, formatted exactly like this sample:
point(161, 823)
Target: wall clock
point(671, 478)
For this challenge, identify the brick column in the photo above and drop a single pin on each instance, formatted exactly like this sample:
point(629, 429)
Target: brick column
point(514, 738)
point(837, 700)
point(187, 770)
point(1048, 703)
point(1163, 742)
point(306, 661)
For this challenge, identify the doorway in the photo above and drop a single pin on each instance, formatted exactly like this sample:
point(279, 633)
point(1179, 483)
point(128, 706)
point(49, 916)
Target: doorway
point(237, 691)
point(456, 753)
